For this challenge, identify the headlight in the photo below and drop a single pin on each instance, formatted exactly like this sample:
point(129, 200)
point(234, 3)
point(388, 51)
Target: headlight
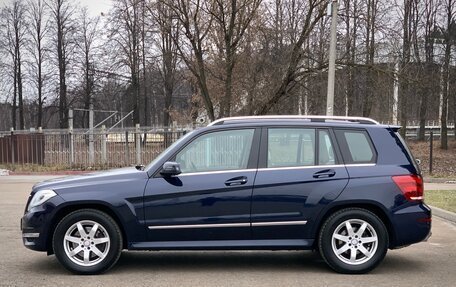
point(41, 197)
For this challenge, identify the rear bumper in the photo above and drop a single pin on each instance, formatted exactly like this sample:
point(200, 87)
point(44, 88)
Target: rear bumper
point(411, 225)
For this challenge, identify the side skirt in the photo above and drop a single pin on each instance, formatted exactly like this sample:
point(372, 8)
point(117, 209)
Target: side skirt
point(277, 244)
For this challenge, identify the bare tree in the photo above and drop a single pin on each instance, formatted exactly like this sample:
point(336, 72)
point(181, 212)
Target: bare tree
point(88, 33)
point(15, 29)
point(371, 20)
point(62, 12)
point(38, 31)
point(449, 37)
point(196, 23)
point(125, 32)
point(405, 63)
point(315, 11)
point(430, 8)
point(231, 19)
point(351, 9)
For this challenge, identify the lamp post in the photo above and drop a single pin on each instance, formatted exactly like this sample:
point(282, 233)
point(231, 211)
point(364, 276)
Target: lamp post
point(332, 59)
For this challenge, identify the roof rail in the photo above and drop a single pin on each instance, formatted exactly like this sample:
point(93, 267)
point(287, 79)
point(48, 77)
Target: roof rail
point(361, 120)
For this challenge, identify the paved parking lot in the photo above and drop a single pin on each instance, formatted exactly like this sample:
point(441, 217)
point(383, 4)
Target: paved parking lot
point(431, 263)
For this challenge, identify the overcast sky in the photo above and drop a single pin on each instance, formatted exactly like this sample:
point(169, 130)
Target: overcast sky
point(95, 6)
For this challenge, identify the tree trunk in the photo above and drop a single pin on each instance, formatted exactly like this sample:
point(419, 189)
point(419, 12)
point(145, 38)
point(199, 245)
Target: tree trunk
point(404, 69)
point(226, 101)
point(14, 106)
point(40, 89)
point(445, 94)
point(62, 72)
point(19, 90)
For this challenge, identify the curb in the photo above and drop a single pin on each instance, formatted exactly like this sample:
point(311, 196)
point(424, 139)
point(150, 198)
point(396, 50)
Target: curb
point(52, 173)
point(447, 215)
point(439, 180)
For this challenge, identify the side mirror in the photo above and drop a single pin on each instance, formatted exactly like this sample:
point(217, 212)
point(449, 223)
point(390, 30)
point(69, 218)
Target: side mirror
point(170, 168)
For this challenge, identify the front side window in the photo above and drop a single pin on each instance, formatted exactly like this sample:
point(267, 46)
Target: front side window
point(217, 151)
point(288, 147)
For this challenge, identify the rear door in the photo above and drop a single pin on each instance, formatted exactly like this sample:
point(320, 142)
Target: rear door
point(300, 172)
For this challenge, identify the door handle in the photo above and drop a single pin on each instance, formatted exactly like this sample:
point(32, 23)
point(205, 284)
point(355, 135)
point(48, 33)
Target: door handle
point(236, 181)
point(324, 173)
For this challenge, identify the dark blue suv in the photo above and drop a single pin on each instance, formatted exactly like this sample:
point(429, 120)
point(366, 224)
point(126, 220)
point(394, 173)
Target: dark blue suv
point(347, 187)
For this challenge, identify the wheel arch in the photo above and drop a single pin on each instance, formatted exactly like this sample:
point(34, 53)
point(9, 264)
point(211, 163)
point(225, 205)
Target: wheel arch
point(67, 209)
point(370, 206)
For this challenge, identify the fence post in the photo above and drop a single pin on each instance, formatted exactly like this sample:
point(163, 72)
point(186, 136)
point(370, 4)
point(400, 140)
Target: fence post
point(91, 147)
point(127, 149)
point(431, 141)
point(138, 144)
point(103, 144)
point(12, 145)
point(70, 134)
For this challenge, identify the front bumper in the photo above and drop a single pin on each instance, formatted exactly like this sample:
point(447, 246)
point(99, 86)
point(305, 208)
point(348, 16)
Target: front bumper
point(36, 224)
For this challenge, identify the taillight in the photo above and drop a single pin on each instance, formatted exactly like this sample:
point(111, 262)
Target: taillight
point(411, 186)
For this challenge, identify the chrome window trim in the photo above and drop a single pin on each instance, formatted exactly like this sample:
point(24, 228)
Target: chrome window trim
point(218, 171)
point(278, 168)
point(300, 167)
point(317, 166)
point(217, 225)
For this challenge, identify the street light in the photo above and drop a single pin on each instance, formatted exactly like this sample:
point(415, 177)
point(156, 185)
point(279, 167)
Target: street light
point(332, 59)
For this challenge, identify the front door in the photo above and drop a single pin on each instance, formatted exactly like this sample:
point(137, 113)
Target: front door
point(210, 199)
point(299, 173)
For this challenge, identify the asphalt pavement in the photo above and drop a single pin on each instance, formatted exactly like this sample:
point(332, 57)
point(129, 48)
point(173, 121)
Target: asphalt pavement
point(431, 263)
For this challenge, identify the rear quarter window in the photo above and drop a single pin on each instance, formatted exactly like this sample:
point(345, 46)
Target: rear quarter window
point(356, 146)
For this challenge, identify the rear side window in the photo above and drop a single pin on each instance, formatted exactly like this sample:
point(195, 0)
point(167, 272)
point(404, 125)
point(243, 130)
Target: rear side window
point(290, 147)
point(356, 146)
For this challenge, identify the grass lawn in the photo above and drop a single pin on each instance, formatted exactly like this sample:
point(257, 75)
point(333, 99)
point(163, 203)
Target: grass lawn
point(445, 199)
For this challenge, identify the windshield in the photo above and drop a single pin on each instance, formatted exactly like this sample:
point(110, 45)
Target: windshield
point(161, 155)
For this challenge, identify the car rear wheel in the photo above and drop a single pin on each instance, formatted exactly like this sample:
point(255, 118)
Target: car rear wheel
point(87, 241)
point(353, 240)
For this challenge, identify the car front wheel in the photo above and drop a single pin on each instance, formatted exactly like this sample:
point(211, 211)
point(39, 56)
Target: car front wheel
point(87, 241)
point(353, 240)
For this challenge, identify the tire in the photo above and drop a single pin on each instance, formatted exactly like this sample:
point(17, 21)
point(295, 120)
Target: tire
point(96, 251)
point(361, 248)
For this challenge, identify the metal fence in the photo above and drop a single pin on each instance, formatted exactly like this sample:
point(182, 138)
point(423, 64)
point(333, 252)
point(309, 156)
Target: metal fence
point(82, 148)
point(102, 148)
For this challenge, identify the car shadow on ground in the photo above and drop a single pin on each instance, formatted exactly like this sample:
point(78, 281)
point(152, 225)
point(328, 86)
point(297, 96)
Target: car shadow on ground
point(227, 261)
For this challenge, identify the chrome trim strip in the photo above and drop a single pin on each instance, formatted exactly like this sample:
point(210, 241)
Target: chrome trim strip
point(216, 225)
point(217, 171)
point(200, 226)
point(30, 235)
point(360, 164)
point(275, 223)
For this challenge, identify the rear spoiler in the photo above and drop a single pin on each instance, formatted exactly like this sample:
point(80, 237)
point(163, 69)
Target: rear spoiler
point(394, 128)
